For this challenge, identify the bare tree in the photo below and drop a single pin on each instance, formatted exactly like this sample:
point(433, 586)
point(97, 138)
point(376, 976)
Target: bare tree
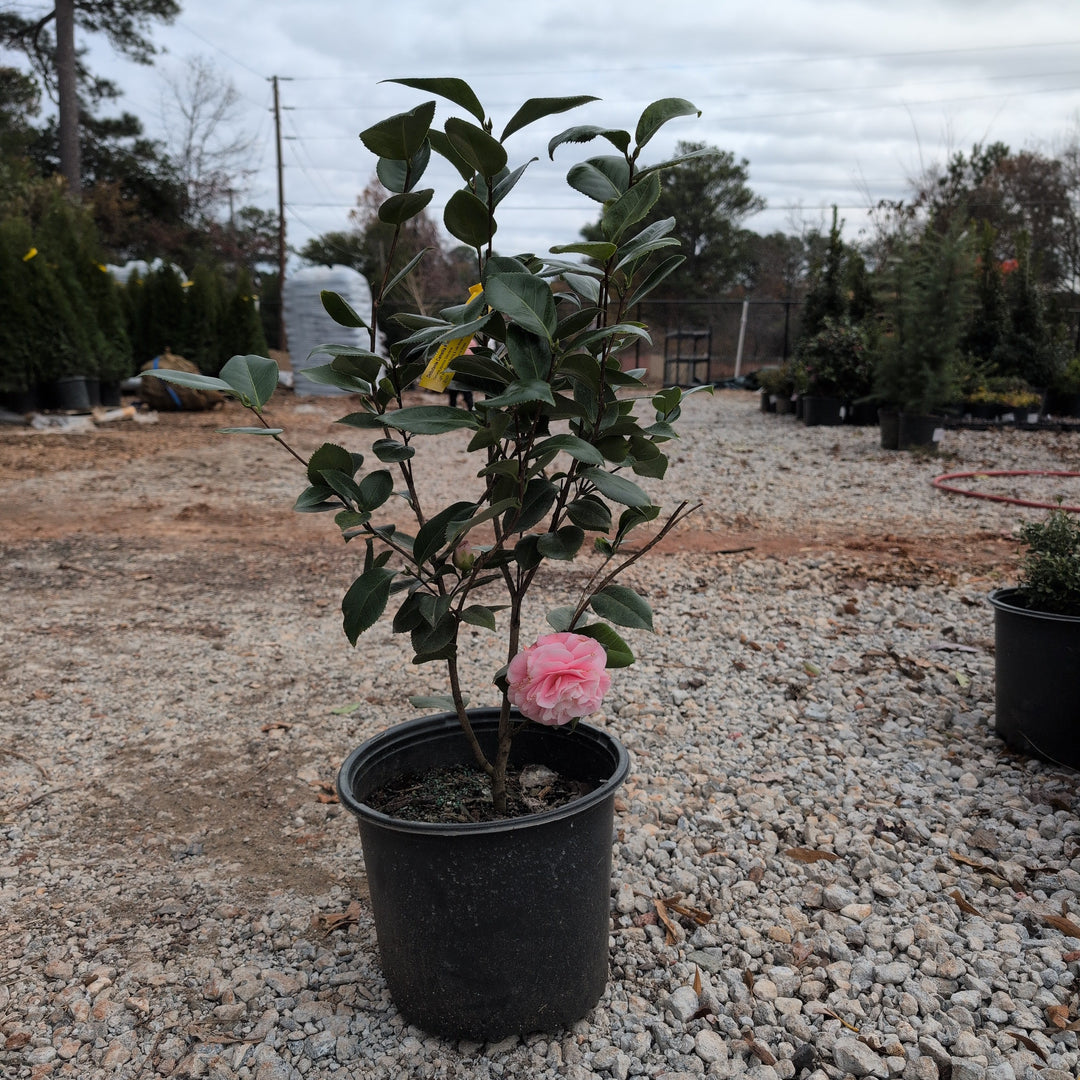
point(200, 111)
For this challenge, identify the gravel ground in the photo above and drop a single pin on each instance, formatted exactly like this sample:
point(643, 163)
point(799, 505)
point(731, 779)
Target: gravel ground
point(826, 864)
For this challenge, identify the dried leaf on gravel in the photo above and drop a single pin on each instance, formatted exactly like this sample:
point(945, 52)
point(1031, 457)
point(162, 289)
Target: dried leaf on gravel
point(329, 923)
point(662, 913)
point(963, 905)
point(1059, 922)
point(810, 855)
point(674, 903)
point(1031, 1045)
point(836, 1016)
point(275, 725)
point(979, 864)
point(759, 1050)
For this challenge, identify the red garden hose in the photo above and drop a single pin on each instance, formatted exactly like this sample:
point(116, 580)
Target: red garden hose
point(940, 483)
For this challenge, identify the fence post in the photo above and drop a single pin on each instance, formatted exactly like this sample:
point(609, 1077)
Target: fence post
point(742, 337)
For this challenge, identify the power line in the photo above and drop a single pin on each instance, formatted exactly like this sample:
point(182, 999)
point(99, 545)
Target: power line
point(786, 60)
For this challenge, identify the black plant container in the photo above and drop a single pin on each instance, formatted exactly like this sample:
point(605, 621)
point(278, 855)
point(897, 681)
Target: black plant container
point(821, 411)
point(919, 432)
point(1037, 679)
point(490, 929)
point(889, 420)
point(71, 394)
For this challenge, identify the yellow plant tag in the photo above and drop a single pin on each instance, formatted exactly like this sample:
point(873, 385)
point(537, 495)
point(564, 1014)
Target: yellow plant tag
point(438, 373)
point(29, 255)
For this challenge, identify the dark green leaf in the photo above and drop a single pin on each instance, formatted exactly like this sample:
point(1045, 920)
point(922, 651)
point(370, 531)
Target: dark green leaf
point(400, 136)
point(563, 544)
point(602, 178)
point(524, 298)
point(559, 619)
point(456, 90)
point(431, 538)
point(189, 378)
point(366, 420)
point(526, 554)
point(507, 183)
point(537, 108)
point(375, 489)
point(530, 354)
point(572, 445)
point(409, 616)
point(401, 208)
point(618, 652)
point(401, 176)
point(428, 640)
point(584, 286)
point(622, 606)
point(633, 517)
point(476, 615)
point(405, 271)
point(365, 601)
point(329, 456)
point(600, 250)
point(340, 310)
point(391, 451)
point(350, 520)
point(605, 332)
point(538, 500)
point(574, 323)
point(590, 513)
point(520, 393)
point(466, 219)
point(328, 375)
point(314, 500)
point(584, 133)
point(484, 153)
point(617, 488)
point(429, 419)
point(442, 146)
point(254, 378)
point(658, 114)
point(342, 485)
point(630, 208)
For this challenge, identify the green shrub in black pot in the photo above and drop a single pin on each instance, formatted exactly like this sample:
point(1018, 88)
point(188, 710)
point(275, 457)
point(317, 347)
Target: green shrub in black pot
point(1037, 644)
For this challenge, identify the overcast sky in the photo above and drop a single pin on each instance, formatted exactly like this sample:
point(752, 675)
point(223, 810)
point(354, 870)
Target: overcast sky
point(831, 102)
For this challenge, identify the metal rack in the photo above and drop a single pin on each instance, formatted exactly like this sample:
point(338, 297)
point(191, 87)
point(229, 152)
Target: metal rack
point(687, 355)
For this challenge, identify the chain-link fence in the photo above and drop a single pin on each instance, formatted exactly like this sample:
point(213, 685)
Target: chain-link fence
point(709, 341)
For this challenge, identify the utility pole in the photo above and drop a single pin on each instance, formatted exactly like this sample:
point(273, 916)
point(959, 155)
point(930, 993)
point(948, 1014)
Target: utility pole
point(283, 341)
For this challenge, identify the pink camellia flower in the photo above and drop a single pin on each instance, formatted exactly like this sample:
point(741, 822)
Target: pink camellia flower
point(559, 678)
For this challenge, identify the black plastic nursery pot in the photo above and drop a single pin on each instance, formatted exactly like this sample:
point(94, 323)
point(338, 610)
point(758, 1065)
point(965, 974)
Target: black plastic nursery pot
point(821, 411)
point(919, 432)
point(889, 420)
point(490, 929)
point(1037, 679)
point(71, 394)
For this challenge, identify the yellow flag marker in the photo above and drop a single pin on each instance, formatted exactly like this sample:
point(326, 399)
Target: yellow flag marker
point(437, 374)
point(29, 255)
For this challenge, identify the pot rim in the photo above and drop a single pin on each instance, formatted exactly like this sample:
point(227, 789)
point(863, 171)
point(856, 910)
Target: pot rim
point(446, 723)
point(1002, 600)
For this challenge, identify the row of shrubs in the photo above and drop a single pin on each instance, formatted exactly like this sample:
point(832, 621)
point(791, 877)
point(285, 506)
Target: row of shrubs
point(942, 321)
point(66, 315)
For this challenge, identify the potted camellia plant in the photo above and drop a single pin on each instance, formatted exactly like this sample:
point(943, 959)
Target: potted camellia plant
point(495, 920)
point(1037, 644)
